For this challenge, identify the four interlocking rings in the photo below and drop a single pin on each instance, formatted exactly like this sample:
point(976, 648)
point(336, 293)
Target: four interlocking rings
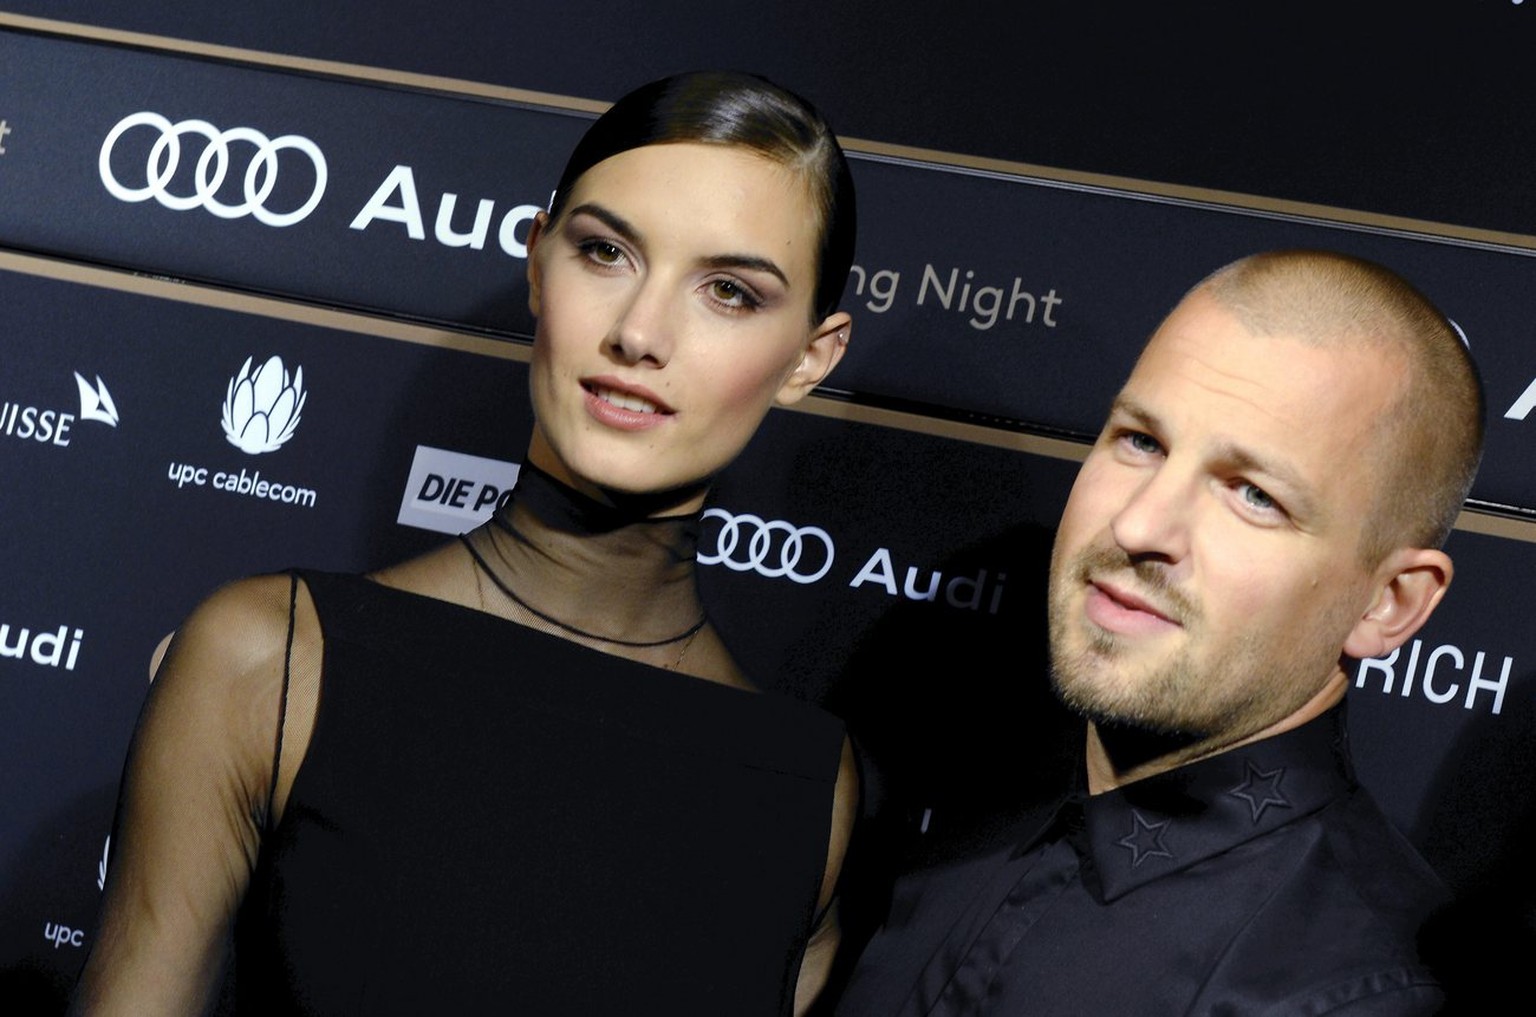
point(761, 543)
point(212, 166)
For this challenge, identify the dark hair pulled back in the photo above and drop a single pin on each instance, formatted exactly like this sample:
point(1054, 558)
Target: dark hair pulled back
point(735, 108)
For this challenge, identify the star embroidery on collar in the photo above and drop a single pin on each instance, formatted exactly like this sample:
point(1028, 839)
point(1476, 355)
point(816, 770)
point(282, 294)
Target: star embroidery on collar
point(1261, 789)
point(1145, 839)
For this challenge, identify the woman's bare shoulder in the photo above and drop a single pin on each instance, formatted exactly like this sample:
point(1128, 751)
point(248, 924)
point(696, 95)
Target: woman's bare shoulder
point(245, 631)
point(444, 573)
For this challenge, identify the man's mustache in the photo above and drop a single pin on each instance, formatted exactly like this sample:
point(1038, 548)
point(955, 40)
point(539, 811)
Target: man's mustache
point(1099, 561)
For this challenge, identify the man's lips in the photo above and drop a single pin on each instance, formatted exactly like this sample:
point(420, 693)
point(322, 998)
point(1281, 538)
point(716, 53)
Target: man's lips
point(1119, 610)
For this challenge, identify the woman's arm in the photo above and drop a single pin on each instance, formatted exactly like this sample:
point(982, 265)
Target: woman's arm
point(192, 805)
point(816, 965)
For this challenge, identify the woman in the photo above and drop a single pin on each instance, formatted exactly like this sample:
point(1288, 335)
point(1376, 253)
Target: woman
point(522, 773)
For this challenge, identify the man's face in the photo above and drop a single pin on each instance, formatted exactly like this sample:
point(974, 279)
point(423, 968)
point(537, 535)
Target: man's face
point(1206, 572)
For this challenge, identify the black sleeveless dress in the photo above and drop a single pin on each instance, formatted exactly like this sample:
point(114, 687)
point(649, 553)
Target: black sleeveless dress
point(489, 819)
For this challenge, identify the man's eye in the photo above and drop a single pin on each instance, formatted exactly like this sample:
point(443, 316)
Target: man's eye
point(1141, 442)
point(1257, 498)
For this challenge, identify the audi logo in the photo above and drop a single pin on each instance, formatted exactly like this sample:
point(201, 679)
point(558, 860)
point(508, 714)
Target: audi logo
point(212, 168)
point(761, 552)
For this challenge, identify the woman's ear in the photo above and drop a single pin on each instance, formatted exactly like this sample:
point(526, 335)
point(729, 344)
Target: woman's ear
point(1409, 585)
point(828, 343)
point(159, 654)
point(535, 271)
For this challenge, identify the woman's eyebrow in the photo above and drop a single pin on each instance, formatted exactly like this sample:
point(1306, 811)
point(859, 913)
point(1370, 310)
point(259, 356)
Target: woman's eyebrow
point(612, 220)
point(627, 231)
point(747, 261)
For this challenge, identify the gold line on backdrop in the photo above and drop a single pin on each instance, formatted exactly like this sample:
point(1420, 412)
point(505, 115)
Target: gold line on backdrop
point(1471, 520)
point(389, 328)
point(330, 68)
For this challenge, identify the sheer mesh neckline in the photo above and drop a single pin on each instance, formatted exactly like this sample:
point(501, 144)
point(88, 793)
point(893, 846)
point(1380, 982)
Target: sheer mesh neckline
point(605, 573)
point(563, 508)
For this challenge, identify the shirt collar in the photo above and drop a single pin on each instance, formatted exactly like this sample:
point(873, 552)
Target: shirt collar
point(1165, 823)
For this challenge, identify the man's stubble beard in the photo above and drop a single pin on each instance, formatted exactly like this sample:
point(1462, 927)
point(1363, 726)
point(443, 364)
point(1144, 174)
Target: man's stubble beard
point(1168, 698)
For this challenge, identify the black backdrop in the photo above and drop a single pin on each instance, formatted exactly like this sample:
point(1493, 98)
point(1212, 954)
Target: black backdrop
point(942, 466)
point(1420, 110)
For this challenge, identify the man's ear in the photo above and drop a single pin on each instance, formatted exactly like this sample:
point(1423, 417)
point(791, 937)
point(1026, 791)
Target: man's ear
point(535, 271)
point(829, 340)
point(1409, 585)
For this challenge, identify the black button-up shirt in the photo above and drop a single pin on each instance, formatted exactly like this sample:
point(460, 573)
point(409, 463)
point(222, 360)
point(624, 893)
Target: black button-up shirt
point(1263, 880)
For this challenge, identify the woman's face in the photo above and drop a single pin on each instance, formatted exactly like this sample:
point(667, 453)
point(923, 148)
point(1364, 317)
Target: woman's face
point(673, 300)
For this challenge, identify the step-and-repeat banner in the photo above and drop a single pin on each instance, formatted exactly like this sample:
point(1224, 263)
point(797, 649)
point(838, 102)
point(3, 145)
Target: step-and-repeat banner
point(182, 233)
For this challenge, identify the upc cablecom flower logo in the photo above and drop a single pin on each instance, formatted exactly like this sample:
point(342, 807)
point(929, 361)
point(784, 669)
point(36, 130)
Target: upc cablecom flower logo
point(261, 408)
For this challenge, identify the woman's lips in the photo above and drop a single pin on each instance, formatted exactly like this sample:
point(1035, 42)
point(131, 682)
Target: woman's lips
point(626, 407)
point(1122, 612)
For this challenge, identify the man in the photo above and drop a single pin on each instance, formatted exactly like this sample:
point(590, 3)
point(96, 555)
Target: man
point(1266, 500)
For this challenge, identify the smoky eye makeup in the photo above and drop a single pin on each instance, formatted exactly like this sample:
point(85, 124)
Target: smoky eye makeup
point(734, 282)
point(733, 295)
point(601, 252)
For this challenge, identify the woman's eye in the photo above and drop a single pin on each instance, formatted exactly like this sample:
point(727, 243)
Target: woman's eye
point(732, 294)
point(601, 252)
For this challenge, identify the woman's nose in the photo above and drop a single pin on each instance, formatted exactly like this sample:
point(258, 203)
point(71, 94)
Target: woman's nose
point(646, 327)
